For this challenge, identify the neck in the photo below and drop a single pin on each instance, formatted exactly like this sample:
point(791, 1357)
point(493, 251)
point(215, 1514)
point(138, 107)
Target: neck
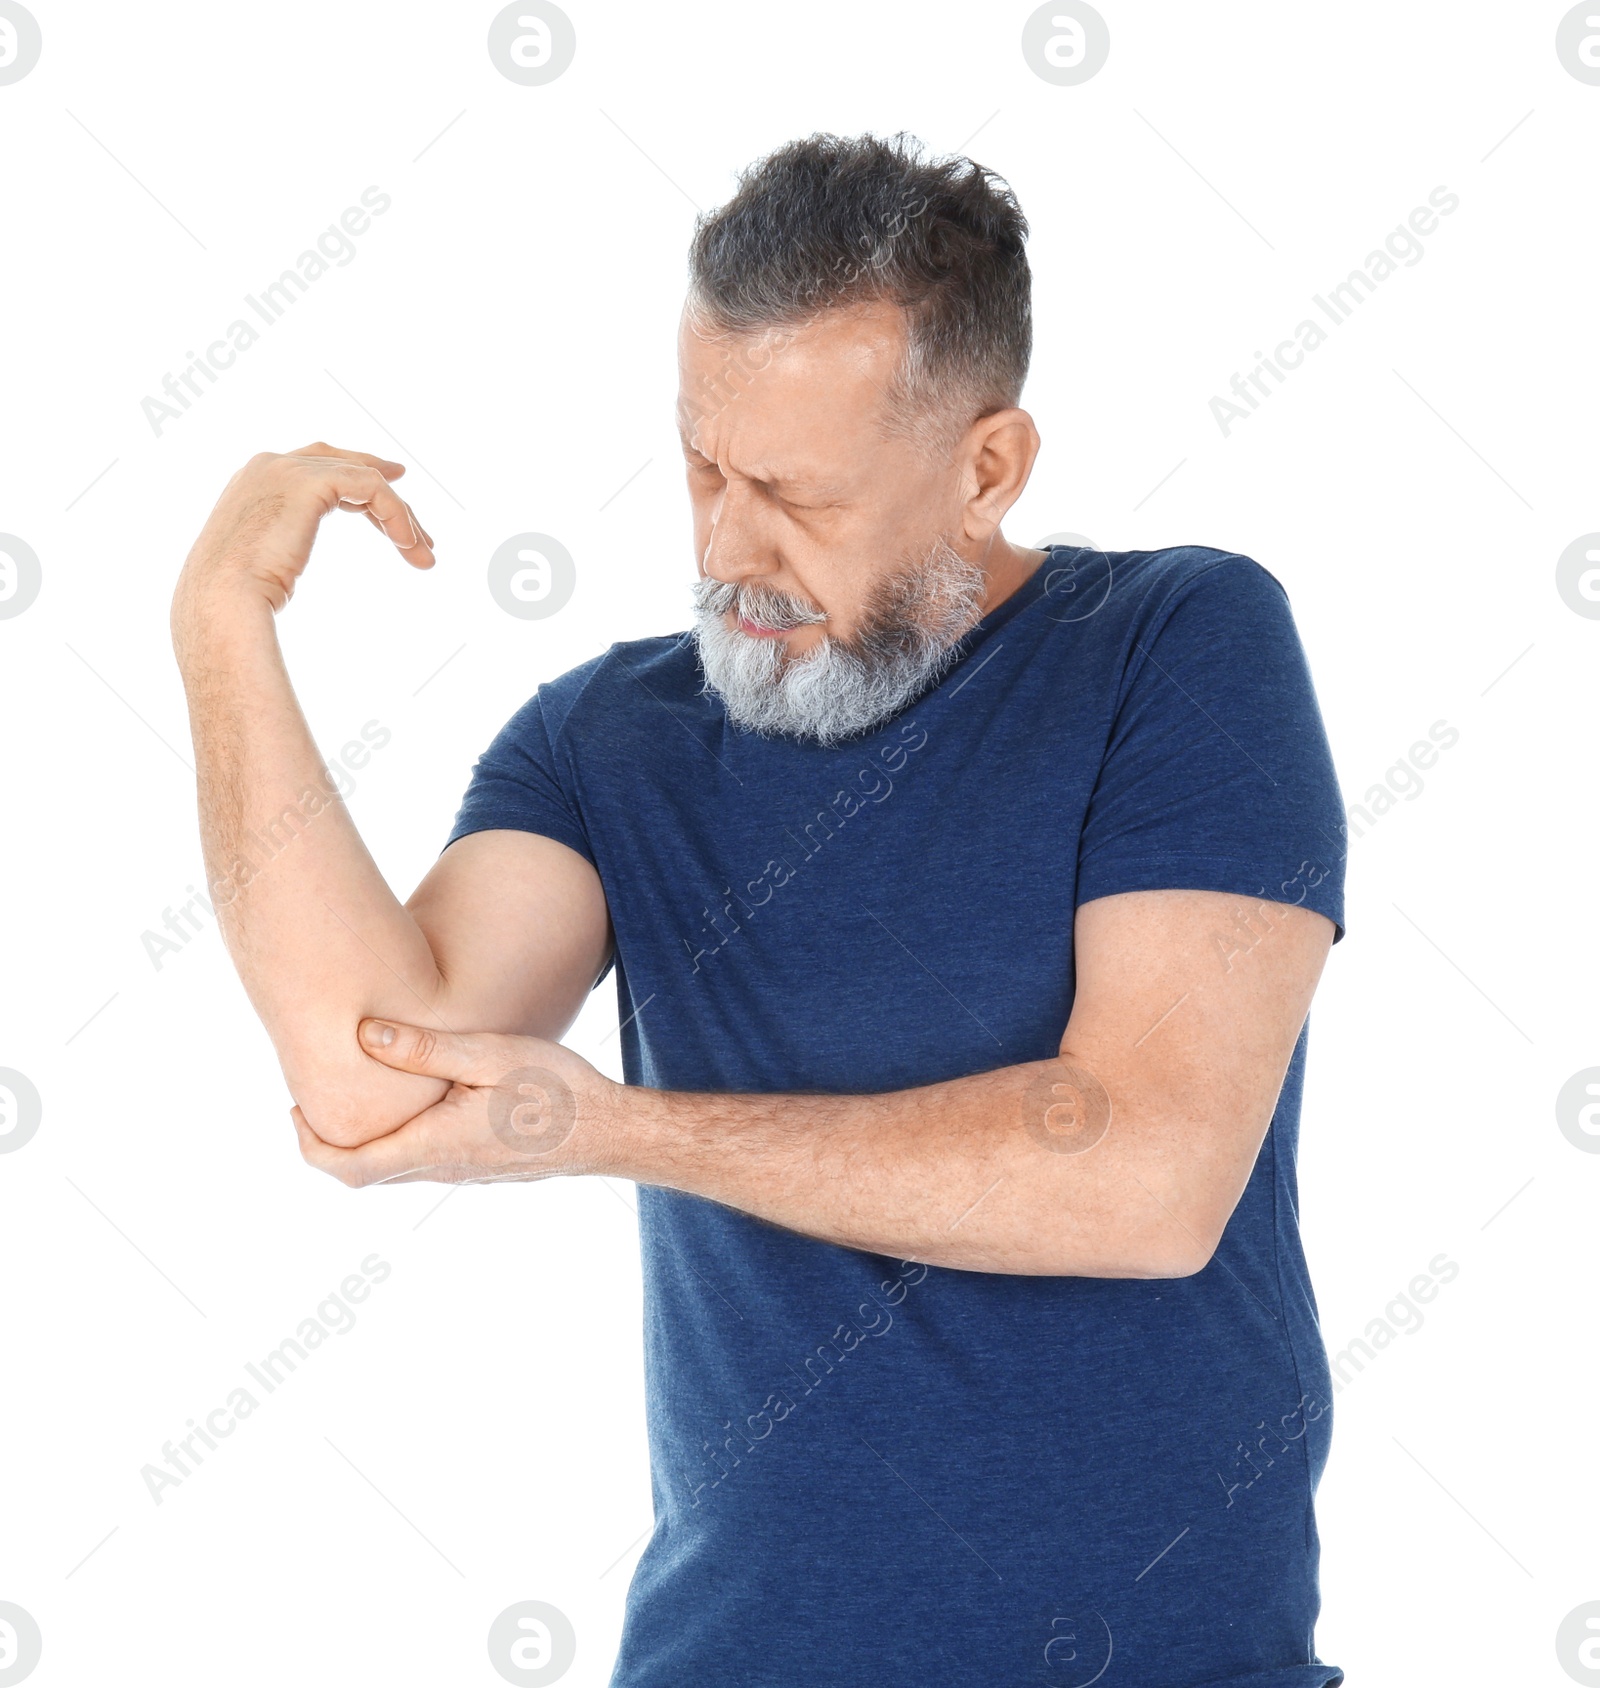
point(1008, 567)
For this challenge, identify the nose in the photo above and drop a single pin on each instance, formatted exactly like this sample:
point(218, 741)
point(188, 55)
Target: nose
point(735, 551)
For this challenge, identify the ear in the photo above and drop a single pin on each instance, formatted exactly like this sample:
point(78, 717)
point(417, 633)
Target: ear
point(997, 458)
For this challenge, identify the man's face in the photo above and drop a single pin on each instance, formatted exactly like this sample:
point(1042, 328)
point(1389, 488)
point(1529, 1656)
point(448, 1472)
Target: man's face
point(830, 587)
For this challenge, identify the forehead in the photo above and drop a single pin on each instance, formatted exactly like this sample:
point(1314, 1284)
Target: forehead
point(787, 394)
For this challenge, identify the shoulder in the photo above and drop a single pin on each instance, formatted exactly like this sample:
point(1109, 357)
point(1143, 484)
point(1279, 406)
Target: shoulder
point(1219, 605)
point(1155, 583)
point(1124, 598)
point(1193, 616)
point(632, 674)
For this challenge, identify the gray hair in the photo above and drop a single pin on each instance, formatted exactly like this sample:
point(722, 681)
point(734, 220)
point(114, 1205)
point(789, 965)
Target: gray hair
point(832, 222)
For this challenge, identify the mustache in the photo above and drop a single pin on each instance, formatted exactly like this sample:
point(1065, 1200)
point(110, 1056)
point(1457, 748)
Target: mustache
point(756, 602)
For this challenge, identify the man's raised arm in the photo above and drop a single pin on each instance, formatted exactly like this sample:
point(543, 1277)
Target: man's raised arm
point(508, 930)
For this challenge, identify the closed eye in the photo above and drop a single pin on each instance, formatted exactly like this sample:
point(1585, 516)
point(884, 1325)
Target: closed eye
point(698, 465)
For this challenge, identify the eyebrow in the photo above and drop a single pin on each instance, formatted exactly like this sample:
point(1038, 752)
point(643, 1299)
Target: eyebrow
point(808, 483)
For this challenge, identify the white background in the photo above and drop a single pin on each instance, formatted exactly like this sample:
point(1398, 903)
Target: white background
point(477, 1438)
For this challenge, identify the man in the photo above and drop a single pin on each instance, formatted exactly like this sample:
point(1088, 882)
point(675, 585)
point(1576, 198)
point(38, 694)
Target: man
point(966, 901)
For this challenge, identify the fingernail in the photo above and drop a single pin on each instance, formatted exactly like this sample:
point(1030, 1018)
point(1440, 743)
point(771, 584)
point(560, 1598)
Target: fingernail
point(376, 1033)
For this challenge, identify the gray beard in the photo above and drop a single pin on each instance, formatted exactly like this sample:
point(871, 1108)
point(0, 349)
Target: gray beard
point(841, 688)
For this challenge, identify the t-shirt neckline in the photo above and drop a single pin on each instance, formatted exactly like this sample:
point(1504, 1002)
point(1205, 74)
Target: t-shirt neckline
point(1028, 592)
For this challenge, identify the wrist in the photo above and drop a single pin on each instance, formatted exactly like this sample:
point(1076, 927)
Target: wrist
point(612, 1119)
point(208, 612)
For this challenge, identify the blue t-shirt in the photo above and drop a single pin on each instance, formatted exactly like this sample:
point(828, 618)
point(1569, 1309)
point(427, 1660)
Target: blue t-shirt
point(872, 1473)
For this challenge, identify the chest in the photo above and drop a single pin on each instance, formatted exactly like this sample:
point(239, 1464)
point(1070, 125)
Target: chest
point(866, 920)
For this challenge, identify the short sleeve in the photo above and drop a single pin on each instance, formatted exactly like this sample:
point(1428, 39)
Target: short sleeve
point(1217, 775)
point(516, 784)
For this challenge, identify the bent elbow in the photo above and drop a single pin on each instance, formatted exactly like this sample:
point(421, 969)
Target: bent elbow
point(1151, 1260)
point(1184, 1254)
point(1181, 1263)
point(336, 1116)
point(1165, 1255)
point(347, 1109)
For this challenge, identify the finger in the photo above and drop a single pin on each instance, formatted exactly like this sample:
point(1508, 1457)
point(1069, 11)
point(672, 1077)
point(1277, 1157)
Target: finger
point(480, 1059)
point(456, 1172)
point(391, 512)
point(401, 1153)
point(427, 537)
point(321, 448)
point(356, 486)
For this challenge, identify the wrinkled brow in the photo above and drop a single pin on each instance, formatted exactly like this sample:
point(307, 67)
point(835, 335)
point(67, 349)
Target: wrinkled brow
point(766, 475)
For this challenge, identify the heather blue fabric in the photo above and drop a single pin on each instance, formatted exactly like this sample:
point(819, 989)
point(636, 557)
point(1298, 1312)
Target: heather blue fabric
point(870, 1473)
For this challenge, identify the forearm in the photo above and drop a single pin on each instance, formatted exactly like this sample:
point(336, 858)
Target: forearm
point(1124, 1156)
point(316, 934)
point(1020, 1170)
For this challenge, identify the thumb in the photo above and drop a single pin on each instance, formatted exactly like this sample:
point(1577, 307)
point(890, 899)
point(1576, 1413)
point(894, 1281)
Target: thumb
point(416, 1049)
